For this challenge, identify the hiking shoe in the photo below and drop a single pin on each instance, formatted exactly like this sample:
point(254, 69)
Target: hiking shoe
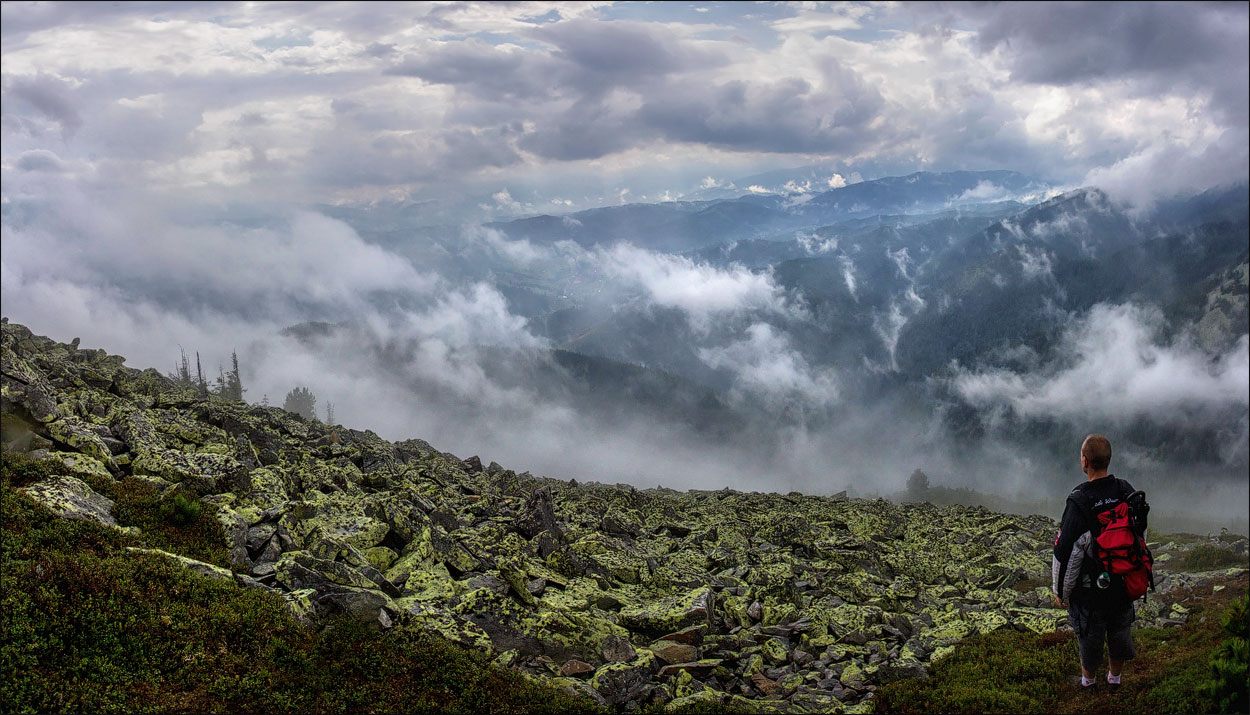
point(1076, 680)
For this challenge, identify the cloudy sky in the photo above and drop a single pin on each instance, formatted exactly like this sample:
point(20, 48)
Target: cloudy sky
point(164, 170)
point(494, 109)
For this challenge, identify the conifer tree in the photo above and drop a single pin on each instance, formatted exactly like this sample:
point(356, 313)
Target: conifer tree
point(917, 485)
point(182, 373)
point(233, 388)
point(199, 376)
point(302, 402)
point(329, 413)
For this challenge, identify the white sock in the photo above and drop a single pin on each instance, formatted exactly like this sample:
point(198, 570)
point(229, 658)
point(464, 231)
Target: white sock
point(1113, 679)
point(1086, 682)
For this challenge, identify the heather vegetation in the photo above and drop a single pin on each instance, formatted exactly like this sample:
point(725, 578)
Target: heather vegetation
point(167, 550)
point(1197, 668)
point(89, 626)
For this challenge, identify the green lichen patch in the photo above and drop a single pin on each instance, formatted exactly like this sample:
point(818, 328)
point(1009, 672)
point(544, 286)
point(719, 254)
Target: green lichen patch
point(798, 603)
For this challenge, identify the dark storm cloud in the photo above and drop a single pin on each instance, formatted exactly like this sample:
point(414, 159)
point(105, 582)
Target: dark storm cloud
point(52, 98)
point(1167, 46)
point(584, 58)
point(588, 129)
point(786, 115)
point(485, 70)
point(629, 54)
point(350, 157)
point(662, 93)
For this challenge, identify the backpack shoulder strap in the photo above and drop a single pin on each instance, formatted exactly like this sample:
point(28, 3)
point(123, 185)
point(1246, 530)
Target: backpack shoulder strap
point(1123, 488)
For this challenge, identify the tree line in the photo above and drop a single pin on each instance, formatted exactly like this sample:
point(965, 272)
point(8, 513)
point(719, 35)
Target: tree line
point(228, 385)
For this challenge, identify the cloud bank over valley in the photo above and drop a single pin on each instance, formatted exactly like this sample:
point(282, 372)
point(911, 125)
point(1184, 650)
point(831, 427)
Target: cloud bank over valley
point(807, 246)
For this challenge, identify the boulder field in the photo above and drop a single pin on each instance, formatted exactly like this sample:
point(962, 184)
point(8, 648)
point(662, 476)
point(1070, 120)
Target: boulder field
point(631, 597)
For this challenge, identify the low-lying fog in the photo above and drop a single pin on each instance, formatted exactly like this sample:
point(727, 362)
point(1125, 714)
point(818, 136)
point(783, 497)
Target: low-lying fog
point(417, 354)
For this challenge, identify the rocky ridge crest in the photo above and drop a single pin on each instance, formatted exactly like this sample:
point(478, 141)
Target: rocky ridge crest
point(630, 597)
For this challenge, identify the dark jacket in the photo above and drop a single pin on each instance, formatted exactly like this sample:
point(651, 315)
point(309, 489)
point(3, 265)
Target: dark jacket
point(1072, 569)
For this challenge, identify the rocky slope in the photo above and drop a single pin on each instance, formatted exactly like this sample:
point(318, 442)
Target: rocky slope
point(630, 597)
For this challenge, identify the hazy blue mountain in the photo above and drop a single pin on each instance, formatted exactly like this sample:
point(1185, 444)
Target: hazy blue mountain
point(889, 283)
point(920, 192)
point(690, 225)
point(1018, 281)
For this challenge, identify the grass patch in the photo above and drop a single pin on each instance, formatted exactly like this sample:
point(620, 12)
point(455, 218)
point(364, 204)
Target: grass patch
point(1001, 672)
point(177, 522)
point(1010, 672)
point(1207, 557)
point(86, 626)
point(1155, 536)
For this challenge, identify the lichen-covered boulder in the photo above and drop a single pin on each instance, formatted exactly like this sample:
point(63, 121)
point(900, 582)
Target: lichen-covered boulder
point(203, 568)
point(665, 615)
point(83, 438)
point(202, 473)
point(437, 620)
point(24, 389)
point(71, 498)
point(621, 683)
point(332, 516)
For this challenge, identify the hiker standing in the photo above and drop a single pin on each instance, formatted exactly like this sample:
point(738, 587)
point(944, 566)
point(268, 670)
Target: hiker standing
point(1101, 563)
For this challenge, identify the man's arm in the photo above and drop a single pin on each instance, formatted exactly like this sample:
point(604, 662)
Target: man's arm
point(1071, 526)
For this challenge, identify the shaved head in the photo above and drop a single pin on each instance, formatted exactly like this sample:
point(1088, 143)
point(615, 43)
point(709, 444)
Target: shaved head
point(1096, 449)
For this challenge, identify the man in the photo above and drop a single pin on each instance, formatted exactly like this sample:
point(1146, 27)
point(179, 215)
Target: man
point(1097, 609)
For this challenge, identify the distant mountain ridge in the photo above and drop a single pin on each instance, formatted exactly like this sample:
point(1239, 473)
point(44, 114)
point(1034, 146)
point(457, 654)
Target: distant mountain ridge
point(689, 225)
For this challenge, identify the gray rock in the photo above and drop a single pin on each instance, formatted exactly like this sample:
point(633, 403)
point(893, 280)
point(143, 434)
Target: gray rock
point(258, 537)
point(618, 650)
point(755, 610)
point(490, 582)
point(621, 683)
point(70, 498)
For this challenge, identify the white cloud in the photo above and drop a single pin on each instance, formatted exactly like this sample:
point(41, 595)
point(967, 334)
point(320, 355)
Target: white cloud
point(519, 251)
point(814, 244)
point(700, 290)
point(1164, 169)
point(1114, 369)
point(889, 325)
point(848, 274)
point(983, 191)
point(1034, 265)
point(765, 364)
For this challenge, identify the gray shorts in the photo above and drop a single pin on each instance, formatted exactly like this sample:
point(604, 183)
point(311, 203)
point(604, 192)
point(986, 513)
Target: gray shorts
point(1094, 624)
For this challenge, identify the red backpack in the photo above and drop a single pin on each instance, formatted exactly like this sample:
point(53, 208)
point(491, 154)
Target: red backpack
point(1119, 544)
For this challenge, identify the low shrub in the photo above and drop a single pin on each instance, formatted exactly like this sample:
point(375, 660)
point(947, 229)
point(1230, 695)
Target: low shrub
point(1230, 671)
point(177, 521)
point(1196, 668)
point(1003, 671)
point(180, 510)
point(1208, 557)
point(86, 626)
